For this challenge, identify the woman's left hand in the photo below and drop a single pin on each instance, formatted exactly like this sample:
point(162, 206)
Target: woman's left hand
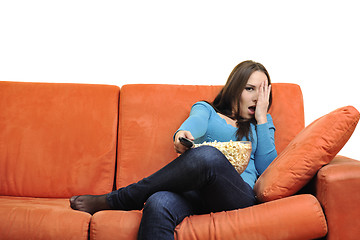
point(262, 104)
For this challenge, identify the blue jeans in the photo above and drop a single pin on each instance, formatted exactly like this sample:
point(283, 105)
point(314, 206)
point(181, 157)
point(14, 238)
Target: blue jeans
point(199, 181)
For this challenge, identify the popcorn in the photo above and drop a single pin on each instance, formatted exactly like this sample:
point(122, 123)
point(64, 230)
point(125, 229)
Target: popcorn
point(237, 152)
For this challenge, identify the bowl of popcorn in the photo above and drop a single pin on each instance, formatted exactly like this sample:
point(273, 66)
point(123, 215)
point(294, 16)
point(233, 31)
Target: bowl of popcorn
point(237, 152)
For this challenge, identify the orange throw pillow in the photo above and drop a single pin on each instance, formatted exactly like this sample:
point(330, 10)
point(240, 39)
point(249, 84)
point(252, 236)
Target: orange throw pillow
point(313, 147)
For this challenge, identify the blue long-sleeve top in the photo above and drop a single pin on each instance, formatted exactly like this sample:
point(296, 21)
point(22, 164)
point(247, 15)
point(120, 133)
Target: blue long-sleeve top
point(207, 126)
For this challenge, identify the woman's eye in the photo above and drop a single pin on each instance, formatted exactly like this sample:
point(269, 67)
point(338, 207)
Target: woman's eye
point(249, 89)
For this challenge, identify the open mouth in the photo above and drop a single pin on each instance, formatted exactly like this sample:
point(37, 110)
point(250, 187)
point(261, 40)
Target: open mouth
point(252, 109)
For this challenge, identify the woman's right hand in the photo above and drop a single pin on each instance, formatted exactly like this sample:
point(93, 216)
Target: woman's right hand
point(179, 147)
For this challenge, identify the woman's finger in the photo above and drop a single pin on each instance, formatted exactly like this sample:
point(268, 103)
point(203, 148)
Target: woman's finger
point(189, 136)
point(269, 91)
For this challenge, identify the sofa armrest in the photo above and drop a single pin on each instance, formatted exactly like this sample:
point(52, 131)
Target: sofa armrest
point(337, 189)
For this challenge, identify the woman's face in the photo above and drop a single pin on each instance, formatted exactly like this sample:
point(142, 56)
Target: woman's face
point(250, 94)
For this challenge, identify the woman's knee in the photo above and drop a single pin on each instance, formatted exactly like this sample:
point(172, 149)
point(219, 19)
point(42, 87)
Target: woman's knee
point(159, 200)
point(162, 212)
point(167, 204)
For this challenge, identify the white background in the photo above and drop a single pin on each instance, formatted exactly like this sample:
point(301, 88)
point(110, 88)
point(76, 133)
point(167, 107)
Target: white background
point(315, 44)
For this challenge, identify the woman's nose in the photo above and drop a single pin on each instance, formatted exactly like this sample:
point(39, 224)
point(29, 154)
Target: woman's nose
point(255, 96)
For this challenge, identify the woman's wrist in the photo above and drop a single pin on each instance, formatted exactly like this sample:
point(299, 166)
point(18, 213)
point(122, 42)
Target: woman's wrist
point(262, 120)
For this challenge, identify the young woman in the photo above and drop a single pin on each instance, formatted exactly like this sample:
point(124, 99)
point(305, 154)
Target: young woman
point(201, 180)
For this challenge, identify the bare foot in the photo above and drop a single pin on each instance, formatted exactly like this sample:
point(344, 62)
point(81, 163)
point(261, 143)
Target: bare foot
point(89, 203)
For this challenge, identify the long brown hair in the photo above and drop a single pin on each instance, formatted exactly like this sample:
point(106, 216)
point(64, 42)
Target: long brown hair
point(228, 99)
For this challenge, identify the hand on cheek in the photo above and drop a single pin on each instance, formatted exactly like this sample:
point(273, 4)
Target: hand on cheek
point(262, 103)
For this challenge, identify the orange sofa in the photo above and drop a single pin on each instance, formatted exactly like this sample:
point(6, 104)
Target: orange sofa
point(59, 140)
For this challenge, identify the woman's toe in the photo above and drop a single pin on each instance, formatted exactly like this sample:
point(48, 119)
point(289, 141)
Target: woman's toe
point(72, 202)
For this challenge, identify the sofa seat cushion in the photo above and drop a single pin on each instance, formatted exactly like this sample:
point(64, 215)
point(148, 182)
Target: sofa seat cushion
point(311, 149)
point(37, 218)
point(296, 217)
point(115, 225)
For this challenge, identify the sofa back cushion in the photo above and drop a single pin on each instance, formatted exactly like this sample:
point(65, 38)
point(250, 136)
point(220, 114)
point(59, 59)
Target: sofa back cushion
point(150, 115)
point(57, 140)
